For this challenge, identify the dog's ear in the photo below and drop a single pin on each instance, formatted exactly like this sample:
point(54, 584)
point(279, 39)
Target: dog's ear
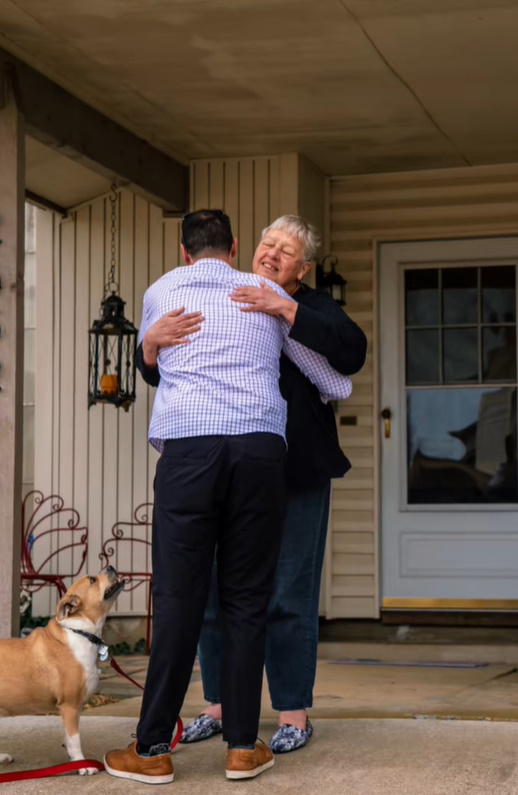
point(67, 606)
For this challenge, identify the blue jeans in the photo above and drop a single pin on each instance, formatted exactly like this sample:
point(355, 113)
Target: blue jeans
point(292, 628)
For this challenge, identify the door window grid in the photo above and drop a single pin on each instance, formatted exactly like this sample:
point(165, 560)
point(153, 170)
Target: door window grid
point(424, 344)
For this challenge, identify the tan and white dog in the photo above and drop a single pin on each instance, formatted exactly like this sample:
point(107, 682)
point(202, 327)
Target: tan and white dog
point(55, 667)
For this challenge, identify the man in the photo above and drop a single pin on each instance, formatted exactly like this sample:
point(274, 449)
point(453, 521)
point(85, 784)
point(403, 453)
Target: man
point(218, 419)
point(284, 255)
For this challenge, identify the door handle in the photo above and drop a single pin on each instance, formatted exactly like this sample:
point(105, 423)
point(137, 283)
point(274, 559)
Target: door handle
point(387, 416)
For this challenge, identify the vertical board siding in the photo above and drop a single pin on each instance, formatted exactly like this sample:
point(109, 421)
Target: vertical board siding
point(82, 321)
point(365, 210)
point(247, 189)
point(98, 460)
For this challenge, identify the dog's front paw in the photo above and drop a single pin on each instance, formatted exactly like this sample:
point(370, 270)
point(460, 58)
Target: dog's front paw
point(5, 759)
point(88, 771)
point(84, 771)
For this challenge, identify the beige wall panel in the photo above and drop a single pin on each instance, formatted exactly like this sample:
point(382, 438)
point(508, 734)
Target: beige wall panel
point(289, 200)
point(111, 419)
point(45, 461)
point(355, 585)
point(44, 381)
point(312, 192)
point(216, 188)
point(352, 563)
point(164, 248)
point(67, 367)
point(128, 264)
point(246, 214)
point(357, 479)
point(354, 606)
point(258, 190)
point(274, 174)
point(101, 457)
point(148, 246)
point(354, 501)
point(55, 322)
point(138, 413)
point(353, 543)
point(253, 191)
point(80, 392)
point(99, 461)
point(143, 239)
point(231, 200)
point(352, 521)
point(200, 185)
point(94, 509)
point(262, 215)
point(171, 240)
point(360, 457)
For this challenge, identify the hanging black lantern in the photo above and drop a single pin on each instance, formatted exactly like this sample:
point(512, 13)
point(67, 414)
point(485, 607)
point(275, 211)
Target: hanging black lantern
point(331, 281)
point(113, 342)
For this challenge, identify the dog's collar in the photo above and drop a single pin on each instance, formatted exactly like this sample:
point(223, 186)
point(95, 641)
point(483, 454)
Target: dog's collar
point(102, 650)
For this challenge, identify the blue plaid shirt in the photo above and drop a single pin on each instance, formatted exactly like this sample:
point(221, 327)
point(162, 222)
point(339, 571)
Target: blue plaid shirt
point(226, 380)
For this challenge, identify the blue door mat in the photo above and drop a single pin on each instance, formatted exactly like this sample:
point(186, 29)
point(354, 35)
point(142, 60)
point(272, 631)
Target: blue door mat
point(409, 664)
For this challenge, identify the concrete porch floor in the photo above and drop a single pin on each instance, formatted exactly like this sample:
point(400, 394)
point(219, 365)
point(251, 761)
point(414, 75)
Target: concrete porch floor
point(371, 681)
point(345, 757)
point(393, 728)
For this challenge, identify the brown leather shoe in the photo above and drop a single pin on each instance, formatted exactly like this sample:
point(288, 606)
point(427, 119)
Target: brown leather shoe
point(147, 769)
point(242, 763)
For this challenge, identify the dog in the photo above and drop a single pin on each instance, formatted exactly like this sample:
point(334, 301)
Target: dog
point(55, 667)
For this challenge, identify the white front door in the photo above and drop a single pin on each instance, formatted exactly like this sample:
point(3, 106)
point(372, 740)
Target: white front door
point(449, 491)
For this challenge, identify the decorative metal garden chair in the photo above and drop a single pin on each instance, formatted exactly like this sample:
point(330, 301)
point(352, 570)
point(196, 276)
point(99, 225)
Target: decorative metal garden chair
point(130, 542)
point(54, 545)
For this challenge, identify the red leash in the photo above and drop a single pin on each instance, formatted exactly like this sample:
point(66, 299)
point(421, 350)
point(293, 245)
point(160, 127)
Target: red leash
point(69, 767)
point(45, 772)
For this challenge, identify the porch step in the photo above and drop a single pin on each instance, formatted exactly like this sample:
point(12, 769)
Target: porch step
point(505, 653)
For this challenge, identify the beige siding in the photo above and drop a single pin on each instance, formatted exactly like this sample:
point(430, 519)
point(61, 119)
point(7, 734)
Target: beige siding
point(29, 362)
point(98, 460)
point(255, 191)
point(365, 210)
point(252, 191)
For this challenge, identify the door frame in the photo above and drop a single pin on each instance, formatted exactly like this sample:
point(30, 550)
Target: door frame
point(377, 242)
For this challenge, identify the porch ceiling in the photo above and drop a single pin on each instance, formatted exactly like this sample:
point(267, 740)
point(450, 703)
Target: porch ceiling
point(356, 85)
point(52, 176)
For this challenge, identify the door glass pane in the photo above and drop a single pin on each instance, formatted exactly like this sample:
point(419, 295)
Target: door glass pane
point(498, 294)
point(499, 353)
point(461, 446)
point(422, 356)
point(460, 355)
point(459, 296)
point(422, 297)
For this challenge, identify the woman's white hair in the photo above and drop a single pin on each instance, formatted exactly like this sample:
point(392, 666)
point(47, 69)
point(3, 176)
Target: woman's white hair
point(298, 227)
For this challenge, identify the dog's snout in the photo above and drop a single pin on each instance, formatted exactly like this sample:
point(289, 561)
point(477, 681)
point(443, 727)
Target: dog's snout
point(110, 572)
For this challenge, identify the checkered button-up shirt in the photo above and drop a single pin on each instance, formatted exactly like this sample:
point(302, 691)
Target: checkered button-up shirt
point(226, 380)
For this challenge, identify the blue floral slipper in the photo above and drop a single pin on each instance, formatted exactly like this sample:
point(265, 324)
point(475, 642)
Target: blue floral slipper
point(288, 738)
point(201, 728)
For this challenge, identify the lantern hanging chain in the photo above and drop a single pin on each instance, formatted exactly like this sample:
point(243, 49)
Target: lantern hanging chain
point(111, 284)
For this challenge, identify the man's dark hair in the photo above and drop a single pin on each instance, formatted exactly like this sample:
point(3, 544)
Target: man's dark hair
point(207, 230)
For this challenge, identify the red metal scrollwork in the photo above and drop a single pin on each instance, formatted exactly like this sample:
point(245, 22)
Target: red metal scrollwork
point(50, 529)
point(125, 535)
